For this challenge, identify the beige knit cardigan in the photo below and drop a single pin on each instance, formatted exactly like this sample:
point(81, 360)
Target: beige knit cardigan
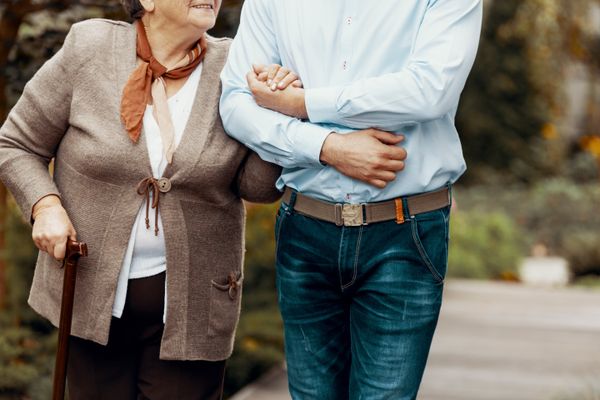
point(70, 110)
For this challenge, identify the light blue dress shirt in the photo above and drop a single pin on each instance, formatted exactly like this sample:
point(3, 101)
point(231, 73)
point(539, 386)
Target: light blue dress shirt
point(398, 66)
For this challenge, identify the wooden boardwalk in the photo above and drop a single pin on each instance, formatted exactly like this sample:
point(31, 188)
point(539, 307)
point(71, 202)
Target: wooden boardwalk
point(500, 341)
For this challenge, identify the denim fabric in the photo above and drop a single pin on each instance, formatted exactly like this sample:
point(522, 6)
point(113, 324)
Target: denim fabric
point(359, 304)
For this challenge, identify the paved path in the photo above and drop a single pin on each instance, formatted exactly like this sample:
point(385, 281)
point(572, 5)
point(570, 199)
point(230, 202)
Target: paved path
point(501, 342)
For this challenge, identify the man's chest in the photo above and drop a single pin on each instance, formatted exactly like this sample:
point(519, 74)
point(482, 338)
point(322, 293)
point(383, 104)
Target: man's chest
point(343, 40)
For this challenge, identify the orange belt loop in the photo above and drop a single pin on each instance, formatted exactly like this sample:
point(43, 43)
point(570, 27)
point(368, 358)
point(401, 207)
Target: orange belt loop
point(399, 211)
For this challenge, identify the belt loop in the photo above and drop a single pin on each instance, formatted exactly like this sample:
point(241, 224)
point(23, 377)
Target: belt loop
point(339, 220)
point(405, 208)
point(363, 207)
point(293, 196)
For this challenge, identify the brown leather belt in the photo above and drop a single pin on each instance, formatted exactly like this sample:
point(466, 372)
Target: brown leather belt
point(343, 214)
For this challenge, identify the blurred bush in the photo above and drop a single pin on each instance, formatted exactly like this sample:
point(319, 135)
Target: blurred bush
point(259, 339)
point(27, 342)
point(558, 213)
point(484, 246)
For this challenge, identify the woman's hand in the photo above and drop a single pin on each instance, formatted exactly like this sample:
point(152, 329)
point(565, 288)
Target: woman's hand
point(276, 77)
point(52, 227)
point(285, 93)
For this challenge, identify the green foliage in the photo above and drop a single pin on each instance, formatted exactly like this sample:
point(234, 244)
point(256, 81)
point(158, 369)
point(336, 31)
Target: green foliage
point(259, 341)
point(513, 117)
point(483, 245)
point(25, 358)
point(499, 117)
point(582, 249)
point(27, 342)
point(561, 215)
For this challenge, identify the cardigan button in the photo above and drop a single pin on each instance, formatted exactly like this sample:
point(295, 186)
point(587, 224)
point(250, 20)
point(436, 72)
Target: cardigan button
point(164, 185)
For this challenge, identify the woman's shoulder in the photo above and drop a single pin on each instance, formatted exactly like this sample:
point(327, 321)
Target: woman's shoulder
point(218, 50)
point(221, 43)
point(97, 34)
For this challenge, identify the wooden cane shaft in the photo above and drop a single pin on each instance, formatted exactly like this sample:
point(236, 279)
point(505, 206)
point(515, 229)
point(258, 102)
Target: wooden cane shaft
point(74, 251)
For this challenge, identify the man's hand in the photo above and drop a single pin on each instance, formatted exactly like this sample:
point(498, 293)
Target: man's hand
point(370, 156)
point(52, 227)
point(288, 100)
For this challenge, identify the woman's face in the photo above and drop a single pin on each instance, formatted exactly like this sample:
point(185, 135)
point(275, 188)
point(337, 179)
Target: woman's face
point(190, 16)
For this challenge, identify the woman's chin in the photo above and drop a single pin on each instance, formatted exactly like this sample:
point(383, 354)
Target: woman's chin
point(203, 23)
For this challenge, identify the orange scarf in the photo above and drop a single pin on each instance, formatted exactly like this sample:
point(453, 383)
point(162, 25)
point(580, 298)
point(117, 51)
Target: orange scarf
point(146, 85)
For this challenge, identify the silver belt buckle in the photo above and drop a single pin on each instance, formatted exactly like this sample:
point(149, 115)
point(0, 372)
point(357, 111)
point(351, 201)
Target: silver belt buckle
point(352, 214)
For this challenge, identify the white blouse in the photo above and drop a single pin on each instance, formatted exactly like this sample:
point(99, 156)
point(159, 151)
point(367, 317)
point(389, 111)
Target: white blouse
point(146, 253)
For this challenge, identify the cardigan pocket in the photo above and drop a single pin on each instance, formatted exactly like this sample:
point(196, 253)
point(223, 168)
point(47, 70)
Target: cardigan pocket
point(225, 303)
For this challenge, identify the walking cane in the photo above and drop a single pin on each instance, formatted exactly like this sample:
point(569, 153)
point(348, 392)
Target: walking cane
point(74, 251)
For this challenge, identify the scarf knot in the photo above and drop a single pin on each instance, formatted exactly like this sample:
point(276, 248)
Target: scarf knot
point(146, 85)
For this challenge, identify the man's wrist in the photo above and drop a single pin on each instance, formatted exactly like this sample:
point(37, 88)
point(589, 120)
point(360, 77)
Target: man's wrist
point(328, 149)
point(301, 111)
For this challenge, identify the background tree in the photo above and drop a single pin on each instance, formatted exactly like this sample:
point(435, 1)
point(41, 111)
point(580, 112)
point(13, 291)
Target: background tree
point(515, 97)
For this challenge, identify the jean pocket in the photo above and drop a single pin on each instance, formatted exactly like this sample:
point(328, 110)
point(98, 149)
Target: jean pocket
point(430, 237)
point(225, 303)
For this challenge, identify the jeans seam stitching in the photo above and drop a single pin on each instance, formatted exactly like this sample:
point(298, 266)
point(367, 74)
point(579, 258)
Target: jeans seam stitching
point(278, 233)
point(357, 251)
point(424, 256)
point(340, 258)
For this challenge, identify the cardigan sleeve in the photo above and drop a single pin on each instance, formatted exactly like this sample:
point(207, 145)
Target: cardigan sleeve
point(256, 180)
point(34, 128)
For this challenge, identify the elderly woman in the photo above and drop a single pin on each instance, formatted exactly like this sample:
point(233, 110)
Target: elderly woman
point(145, 174)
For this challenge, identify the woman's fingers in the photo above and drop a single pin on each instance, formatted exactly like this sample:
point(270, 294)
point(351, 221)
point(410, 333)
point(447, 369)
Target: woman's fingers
point(59, 250)
point(286, 81)
point(281, 73)
point(272, 71)
point(51, 229)
point(275, 76)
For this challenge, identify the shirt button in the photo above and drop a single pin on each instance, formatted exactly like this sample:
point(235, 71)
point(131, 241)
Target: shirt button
point(349, 20)
point(345, 65)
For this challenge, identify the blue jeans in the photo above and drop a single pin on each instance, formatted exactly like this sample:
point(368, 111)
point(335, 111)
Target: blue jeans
point(359, 304)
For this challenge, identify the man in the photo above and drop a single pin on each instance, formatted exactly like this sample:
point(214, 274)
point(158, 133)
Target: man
point(362, 233)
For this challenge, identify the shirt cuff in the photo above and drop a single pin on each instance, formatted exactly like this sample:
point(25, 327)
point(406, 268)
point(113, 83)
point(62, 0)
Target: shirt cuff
point(321, 105)
point(308, 144)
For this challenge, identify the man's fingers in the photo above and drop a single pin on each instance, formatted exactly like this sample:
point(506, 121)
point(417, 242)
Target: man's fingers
point(251, 77)
point(396, 153)
point(286, 81)
point(259, 68)
point(262, 77)
point(377, 183)
point(394, 165)
point(386, 176)
point(252, 81)
point(388, 138)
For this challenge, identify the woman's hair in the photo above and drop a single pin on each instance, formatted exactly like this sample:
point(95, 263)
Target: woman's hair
point(133, 8)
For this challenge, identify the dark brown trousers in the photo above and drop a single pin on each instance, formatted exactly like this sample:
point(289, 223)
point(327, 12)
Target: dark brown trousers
point(129, 368)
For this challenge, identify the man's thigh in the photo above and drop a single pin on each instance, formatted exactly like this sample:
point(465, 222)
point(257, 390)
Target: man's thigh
point(395, 307)
point(314, 311)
